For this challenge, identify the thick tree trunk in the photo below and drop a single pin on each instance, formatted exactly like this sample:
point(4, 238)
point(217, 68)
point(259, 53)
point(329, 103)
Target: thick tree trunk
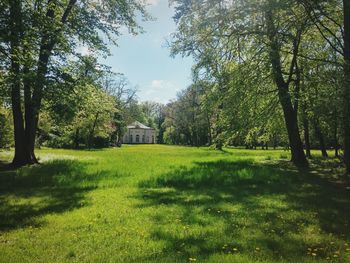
point(305, 117)
point(290, 114)
point(34, 104)
point(346, 85)
point(22, 156)
point(29, 140)
point(296, 146)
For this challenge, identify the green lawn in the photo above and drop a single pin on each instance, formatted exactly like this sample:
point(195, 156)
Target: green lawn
point(173, 204)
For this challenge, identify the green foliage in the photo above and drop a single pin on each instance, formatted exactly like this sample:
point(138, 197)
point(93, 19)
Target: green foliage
point(236, 67)
point(186, 122)
point(155, 116)
point(92, 119)
point(95, 114)
point(6, 127)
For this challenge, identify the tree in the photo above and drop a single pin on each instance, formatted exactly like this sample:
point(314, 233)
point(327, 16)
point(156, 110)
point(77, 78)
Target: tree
point(95, 116)
point(265, 33)
point(290, 111)
point(186, 121)
point(6, 127)
point(332, 19)
point(346, 84)
point(43, 35)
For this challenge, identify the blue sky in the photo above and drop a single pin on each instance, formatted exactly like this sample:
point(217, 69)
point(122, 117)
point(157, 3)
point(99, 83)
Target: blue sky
point(145, 60)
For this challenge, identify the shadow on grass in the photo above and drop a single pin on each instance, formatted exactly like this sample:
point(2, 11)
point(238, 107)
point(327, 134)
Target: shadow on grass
point(28, 193)
point(4, 166)
point(262, 210)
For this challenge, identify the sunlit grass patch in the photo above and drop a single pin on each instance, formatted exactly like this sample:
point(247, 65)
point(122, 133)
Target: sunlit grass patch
point(153, 203)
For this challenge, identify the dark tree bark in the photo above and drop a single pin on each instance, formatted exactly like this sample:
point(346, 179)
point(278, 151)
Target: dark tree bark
point(305, 119)
point(33, 103)
point(218, 131)
point(290, 112)
point(21, 155)
point(76, 139)
point(92, 131)
point(306, 134)
point(346, 85)
point(335, 134)
point(304, 115)
point(275, 140)
point(27, 86)
point(320, 137)
point(209, 128)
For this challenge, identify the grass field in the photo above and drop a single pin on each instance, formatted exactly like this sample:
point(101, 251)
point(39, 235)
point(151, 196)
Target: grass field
point(173, 204)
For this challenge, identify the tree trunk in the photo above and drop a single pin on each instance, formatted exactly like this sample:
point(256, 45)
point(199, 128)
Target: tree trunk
point(21, 156)
point(320, 137)
point(47, 43)
point(76, 139)
point(307, 138)
point(335, 134)
point(209, 128)
point(29, 142)
point(296, 146)
point(290, 115)
point(218, 130)
point(33, 106)
point(306, 132)
point(346, 85)
point(304, 115)
point(275, 141)
point(91, 133)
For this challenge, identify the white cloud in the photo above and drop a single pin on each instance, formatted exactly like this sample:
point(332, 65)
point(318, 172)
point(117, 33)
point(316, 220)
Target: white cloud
point(152, 2)
point(160, 91)
point(159, 85)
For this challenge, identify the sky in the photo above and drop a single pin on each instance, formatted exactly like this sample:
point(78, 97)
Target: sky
point(145, 60)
